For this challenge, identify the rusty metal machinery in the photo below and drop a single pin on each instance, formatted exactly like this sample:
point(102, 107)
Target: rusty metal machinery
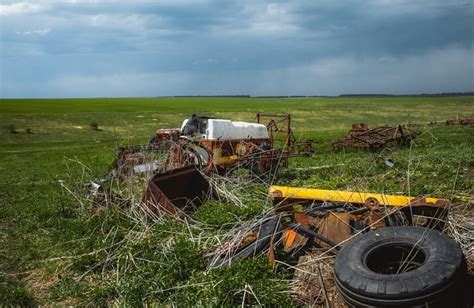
point(134, 159)
point(465, 121)
point(214, 156)
point(434, 209)
point(280, 131)
point(358, 128)
point(337, 215)
point(279, 127)
point(262, 153)
point(325, 220)
point(360, 136)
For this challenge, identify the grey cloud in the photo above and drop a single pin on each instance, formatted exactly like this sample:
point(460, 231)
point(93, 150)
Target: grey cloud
point(449, 68)
point(209, 42)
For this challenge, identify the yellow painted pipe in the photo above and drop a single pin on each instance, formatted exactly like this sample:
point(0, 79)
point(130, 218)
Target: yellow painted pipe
point(344, 196)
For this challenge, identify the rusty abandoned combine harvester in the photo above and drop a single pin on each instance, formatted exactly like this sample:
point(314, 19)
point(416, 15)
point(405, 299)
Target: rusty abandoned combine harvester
point(360, 136)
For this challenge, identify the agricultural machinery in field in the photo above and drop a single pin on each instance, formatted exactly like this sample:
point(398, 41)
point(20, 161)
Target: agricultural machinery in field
point(177, 158)
point(393, 234)
point(216, 146)
point(219, 145)
point(457, 121)
point(361, 137)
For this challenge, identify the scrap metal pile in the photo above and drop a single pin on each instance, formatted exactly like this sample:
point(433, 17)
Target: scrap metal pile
point(305, 219)
point(208, 146)
point(302, 220)
point(362, 137)
point(216, 146)
point(379, 245)
point(465, 121)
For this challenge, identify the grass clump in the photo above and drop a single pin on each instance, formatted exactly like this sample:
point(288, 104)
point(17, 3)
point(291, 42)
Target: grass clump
point(247, 282)
point(67, 288)
point(218, 215)
point(159, 268)
point(103, 295)
point(14, 293)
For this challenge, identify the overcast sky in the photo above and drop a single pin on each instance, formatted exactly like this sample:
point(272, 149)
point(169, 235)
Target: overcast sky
point(86, 48)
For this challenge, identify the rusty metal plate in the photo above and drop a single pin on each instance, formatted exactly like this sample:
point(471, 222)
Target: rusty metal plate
point(177, 191)
point(335, 227)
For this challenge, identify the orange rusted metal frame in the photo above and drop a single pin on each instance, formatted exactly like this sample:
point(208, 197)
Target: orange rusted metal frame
point(277, 124)
point(218, 159)
point(224, 154)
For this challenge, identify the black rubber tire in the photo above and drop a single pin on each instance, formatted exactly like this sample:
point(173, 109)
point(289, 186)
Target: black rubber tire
point(433, 282)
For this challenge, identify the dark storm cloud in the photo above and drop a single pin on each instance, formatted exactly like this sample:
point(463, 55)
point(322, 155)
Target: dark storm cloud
point(114, 48)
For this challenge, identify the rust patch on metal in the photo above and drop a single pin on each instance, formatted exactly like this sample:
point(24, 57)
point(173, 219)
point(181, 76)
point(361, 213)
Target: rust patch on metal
point(372, 203)
point(335, 227)
point(176, 192)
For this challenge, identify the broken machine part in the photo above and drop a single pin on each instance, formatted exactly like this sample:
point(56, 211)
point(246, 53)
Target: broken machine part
point(177, 192)
point(360, 136)
point(326, 219)
point(465, 121)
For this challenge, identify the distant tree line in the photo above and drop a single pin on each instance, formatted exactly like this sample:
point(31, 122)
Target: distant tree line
point(411, 95)
point(342, 95)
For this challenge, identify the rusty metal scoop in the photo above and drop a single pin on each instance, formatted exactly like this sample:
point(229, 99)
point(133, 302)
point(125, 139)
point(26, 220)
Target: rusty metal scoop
point(177, 192)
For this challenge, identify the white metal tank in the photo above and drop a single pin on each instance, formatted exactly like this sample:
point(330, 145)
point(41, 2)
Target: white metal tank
point(219, 129)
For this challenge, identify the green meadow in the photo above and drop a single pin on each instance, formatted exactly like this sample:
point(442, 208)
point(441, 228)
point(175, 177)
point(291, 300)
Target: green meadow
point(50, 245)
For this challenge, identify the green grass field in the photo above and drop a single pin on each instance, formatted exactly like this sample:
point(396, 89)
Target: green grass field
point(49, 244)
